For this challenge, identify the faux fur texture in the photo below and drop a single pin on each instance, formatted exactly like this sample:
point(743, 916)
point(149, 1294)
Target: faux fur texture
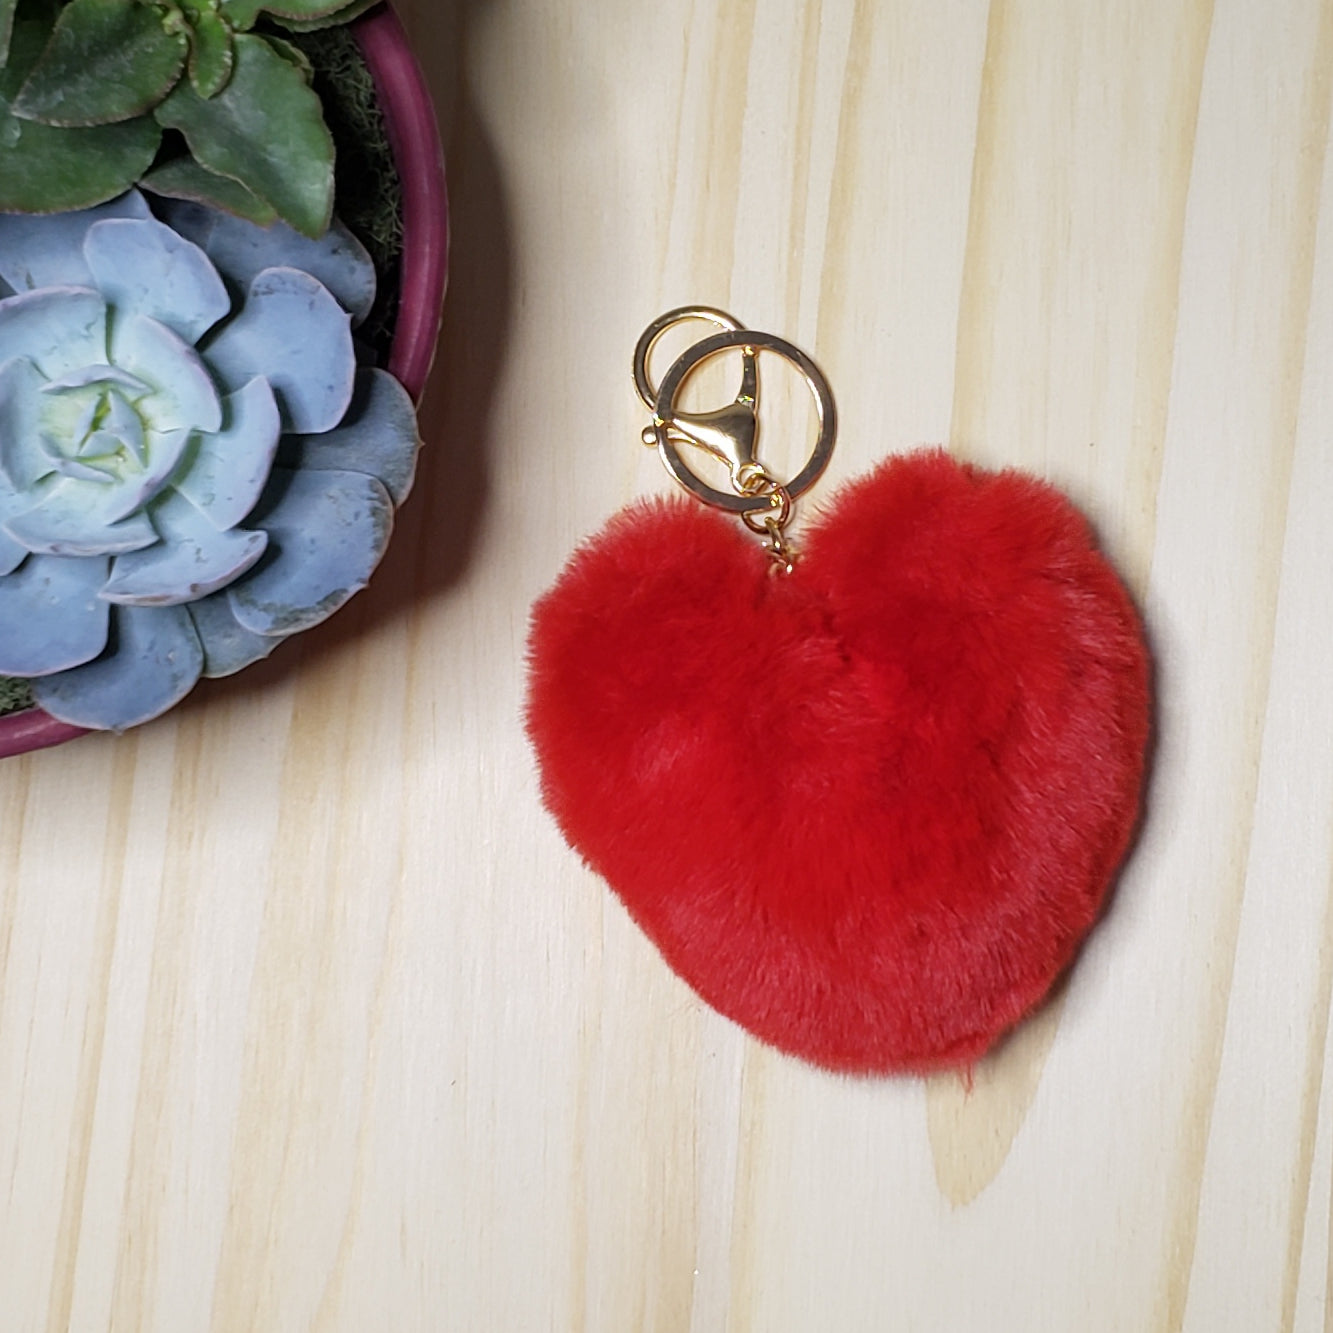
point(868, 810)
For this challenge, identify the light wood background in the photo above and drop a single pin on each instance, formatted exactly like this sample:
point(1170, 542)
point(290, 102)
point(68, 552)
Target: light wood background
point(308, 1018)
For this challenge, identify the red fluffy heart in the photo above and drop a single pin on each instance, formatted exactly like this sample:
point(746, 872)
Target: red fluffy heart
point(868, 810)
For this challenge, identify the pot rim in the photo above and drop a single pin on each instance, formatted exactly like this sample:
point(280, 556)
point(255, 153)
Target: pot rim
point(409, 120)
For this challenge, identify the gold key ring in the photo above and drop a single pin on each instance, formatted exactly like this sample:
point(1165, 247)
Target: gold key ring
point(648, 340)
point(730, 432)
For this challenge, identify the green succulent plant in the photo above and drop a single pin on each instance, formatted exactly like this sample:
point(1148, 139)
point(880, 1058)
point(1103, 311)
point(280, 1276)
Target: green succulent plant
point(88, 88)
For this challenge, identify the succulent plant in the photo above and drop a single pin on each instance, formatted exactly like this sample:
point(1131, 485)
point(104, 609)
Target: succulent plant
point(192, 465)
point(88, 87)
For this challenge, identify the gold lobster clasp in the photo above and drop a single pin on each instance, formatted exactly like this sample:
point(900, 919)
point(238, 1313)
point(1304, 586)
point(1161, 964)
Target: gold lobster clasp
point(727, 432)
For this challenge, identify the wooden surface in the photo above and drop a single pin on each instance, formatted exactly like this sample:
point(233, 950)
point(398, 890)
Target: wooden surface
point(308, 1018)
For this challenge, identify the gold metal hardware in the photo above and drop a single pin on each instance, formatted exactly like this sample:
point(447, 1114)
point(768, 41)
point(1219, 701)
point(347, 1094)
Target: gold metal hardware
point(730, 433)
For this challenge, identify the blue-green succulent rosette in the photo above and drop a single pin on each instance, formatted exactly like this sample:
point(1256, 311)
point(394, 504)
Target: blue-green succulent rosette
point(193, 466)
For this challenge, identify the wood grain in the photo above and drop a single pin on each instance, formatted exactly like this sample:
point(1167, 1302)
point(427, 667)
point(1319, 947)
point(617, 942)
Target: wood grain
point(309, 1019)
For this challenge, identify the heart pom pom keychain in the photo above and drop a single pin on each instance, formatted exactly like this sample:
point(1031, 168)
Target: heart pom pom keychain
point(867, 799)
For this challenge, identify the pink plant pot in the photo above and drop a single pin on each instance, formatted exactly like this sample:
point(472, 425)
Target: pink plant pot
point(409, 118)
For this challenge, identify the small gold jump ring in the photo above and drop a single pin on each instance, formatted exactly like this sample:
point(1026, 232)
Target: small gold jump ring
point(778, 513)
